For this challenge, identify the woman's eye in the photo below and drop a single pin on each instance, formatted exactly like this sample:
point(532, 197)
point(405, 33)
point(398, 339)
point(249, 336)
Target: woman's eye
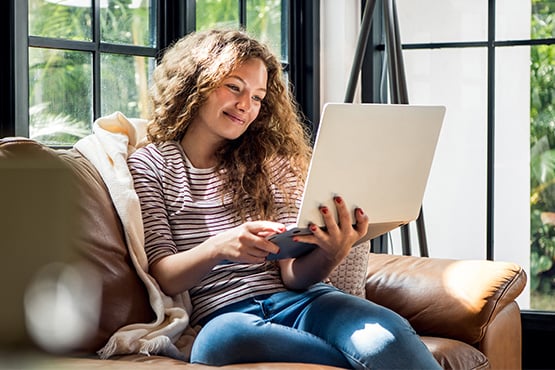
point(257, 98)
point(233, 87)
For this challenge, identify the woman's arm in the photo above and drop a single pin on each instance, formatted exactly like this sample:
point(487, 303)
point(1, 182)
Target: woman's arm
point(177, 271)
point(246, 243)
point(334, 245)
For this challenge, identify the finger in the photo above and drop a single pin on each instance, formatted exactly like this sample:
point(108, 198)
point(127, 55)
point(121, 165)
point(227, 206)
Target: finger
point(329, 219)
point(249, 237)
point(266, 246)
point(318, 236)
point(362, 222)
point(265, 233)
point(343, 214)
point(265, 228)
point(311, 239)
point(258, 252)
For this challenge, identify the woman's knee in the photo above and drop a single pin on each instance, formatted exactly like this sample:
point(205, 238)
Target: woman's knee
point(225, 334)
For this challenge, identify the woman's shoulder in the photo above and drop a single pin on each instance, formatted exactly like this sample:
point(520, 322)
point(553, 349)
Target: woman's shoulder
point(155, 153)
point(163, 149)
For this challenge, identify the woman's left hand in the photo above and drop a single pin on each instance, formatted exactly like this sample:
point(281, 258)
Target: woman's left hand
point(335, 242)
point(338, 237)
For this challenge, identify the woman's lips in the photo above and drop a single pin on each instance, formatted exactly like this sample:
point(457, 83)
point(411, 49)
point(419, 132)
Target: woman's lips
point(235, 118)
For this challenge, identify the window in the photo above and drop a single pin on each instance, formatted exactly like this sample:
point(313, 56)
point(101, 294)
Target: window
point(491, 192)
point(87, 59)
point(265, 19)
point(73, 61)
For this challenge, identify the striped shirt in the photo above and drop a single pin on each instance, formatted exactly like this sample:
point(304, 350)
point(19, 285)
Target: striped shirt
point(182, 206)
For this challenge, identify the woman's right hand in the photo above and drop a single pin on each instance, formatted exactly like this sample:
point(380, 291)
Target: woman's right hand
point(247, 243)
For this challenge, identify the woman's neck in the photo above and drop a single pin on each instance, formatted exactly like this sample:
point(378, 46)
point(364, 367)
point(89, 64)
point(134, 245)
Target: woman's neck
point(201, 154)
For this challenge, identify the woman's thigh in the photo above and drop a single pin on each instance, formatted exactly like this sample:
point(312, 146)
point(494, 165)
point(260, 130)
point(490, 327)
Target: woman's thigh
point(237, 337)
point(369, 335)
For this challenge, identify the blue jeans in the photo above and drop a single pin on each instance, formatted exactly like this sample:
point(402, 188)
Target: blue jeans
point(321, 325)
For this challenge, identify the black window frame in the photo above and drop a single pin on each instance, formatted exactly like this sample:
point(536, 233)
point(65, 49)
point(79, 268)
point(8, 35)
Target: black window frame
point(8, 80)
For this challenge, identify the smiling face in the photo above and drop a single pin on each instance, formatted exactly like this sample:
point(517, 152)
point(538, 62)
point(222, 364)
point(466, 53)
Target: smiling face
point(233, 106)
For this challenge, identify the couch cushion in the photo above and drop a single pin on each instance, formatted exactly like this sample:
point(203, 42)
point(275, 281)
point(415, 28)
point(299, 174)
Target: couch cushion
point(99, 243)
point(453, 354)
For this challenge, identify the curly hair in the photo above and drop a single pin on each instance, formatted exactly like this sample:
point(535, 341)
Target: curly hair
point(195, 66)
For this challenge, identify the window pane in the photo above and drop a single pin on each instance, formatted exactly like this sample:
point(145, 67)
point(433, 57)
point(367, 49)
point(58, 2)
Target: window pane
point(442, 20)
point(542, 177)
point(456, 78)
point(217, 14)
point(67, 19)
point(60, 95)
point(124, 84)
point(264, 20)
point(129, 22)
point(512, 20)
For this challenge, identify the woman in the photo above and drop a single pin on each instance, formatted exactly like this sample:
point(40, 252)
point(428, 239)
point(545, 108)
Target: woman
point(224, 170)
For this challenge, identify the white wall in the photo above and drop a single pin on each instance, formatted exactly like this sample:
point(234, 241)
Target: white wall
point(455, 199)
point(340, 24)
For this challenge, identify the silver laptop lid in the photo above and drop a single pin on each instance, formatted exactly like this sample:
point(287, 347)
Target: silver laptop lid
point(375, 156)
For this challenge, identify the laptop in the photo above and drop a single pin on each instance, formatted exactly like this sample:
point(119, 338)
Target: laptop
point(375, 156)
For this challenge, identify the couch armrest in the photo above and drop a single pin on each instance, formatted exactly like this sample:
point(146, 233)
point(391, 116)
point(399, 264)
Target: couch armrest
point(456, 299)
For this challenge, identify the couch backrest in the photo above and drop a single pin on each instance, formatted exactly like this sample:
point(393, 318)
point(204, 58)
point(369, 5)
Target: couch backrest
point(99, 243)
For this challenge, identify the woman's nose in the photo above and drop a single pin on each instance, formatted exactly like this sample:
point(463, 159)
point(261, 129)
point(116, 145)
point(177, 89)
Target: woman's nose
point(244, 103)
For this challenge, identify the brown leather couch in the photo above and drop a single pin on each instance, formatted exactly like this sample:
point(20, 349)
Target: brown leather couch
point(465, 311)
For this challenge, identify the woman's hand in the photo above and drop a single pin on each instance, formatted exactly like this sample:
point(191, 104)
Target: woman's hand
point(245, 243)
point(338, 238)
point(335, 242)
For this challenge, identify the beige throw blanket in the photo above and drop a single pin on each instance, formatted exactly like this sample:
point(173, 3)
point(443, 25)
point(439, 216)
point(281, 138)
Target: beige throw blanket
point(114, 138)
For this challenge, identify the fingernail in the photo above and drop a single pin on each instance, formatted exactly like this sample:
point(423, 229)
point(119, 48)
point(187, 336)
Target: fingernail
point(360, 211)
point(313, 227)
point(324, 210)
point(338, 199)
point(296, 239)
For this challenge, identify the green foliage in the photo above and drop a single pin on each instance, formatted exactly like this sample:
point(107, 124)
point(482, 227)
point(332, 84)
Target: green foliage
point(542, 252)
point(542, 151)
point(66, 22)
point(61, 81)
point(116, 85)
point(217, 14)
point(57, 130)
point(121, 24)
point(263, 19)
